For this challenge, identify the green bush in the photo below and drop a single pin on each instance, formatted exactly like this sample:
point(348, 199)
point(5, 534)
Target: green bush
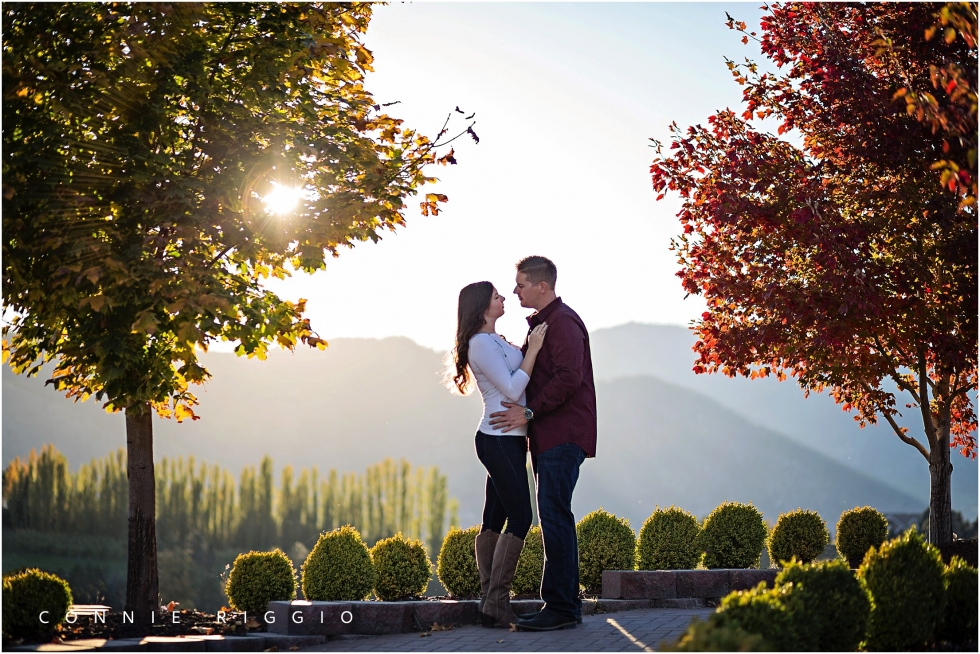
point(830, 607)
point(762, 611)
point(813, 607)
point(258, 578)
point(339, 568)
point(717, 635)
point(732, 536)
point(402, 568)
point(605, 542)
point(527, 579)
point(456, 564)
point(905, 578)
point(25, 595)
point(802, 534)
point(858, 530)
point(668, 541)
point(959, 622)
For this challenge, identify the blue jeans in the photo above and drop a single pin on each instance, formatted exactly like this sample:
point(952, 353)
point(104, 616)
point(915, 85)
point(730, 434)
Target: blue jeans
point(508, 494)
point(555, 474)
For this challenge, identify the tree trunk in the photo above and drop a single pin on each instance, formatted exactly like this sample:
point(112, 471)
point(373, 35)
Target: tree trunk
point(940, 504)
point(142, 589)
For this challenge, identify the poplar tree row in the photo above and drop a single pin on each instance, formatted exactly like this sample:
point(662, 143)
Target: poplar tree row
point(202, 502)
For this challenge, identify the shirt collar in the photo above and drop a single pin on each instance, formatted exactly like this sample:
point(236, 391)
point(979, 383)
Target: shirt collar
point(539, 317)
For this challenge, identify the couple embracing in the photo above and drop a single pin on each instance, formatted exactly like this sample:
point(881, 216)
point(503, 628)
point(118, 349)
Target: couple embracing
point(539, 398)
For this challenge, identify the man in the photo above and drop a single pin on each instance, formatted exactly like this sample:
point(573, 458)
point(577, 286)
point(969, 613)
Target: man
point(561, 419)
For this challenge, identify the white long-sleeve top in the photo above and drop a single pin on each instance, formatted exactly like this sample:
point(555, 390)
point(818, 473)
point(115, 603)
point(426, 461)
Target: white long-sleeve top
point(496, 366)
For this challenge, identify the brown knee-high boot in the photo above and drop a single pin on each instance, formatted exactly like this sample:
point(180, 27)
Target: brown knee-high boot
point(485, 543)
point(505, 557)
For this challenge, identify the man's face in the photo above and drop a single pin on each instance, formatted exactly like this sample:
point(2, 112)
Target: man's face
point(528, 293)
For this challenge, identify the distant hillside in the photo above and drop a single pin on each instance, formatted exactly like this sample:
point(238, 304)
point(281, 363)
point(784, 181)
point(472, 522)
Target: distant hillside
point(364, 399)
point(664, 351)
point(669, 445)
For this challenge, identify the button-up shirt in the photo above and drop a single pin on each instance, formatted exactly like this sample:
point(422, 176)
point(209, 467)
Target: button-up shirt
point(561, 392)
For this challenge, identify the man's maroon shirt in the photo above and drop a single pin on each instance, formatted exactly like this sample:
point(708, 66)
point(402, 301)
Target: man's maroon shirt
point(561, 392)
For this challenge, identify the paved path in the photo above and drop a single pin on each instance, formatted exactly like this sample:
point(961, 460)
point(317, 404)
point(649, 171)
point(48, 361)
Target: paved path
point(626, 631)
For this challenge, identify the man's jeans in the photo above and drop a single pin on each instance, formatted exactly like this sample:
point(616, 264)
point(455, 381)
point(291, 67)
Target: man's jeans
point(555, 474)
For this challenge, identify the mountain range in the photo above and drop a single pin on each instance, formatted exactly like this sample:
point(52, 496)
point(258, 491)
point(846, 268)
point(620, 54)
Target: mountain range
point(666, 435)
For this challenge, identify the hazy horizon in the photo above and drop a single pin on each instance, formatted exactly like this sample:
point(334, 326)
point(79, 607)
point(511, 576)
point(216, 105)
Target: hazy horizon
point(365, 399)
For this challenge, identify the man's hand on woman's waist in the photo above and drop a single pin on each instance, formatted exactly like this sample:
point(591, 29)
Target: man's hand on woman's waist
point(510, 419)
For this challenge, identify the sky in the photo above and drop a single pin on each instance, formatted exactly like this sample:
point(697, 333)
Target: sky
point(566, 96)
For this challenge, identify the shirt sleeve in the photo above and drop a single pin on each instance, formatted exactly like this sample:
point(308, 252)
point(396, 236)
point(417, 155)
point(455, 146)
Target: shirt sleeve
point(567, 345)
point(490, 360)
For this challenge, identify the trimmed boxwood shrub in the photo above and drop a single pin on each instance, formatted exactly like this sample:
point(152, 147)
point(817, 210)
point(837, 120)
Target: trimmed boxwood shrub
point(732, 536)
point(258, 578)
point(858, 530)
point(456, 564)
point(339, 568)
point(668, 541)
point(605, 542)
point(527, 579)
point(905, 578)
point(959, 622)
point(717, 635)
point(830, 607)
point(762, 611)
point(25, 595)
point(813, 607)
point(802, 534)
point(402, 568)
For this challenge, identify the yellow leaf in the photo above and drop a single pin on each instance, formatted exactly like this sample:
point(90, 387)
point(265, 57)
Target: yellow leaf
point(182, 413)
point(96, 302)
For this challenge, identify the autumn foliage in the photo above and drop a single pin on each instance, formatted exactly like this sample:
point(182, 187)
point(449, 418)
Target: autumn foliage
point(842, 251)
point(139, 142)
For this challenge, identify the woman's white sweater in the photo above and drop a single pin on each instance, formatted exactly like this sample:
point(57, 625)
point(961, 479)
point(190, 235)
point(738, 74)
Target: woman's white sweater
point(496, 366)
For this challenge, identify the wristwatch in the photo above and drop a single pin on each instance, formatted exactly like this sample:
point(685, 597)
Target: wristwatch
point(528, 414)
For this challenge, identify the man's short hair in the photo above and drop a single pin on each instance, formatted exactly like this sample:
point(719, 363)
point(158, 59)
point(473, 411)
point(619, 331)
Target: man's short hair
point(539, 269)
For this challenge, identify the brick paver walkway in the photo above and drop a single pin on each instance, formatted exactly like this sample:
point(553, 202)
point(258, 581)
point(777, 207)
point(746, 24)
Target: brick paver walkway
point(626, 631)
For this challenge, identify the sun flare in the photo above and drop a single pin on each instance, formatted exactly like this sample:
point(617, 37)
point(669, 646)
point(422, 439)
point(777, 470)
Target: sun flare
point(282, 199)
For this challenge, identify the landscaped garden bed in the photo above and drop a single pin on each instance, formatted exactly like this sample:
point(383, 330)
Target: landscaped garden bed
point(350, 589)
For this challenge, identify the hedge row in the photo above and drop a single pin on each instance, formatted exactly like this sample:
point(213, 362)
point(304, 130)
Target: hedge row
point(340, 567)
point(901, 598)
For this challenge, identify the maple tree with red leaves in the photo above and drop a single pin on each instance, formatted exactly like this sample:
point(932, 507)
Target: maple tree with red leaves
point(849, 261)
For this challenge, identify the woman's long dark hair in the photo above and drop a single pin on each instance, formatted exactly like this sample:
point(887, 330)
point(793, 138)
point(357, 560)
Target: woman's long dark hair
point(474, 300)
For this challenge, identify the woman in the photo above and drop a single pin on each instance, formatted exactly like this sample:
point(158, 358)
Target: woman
point(501, 373)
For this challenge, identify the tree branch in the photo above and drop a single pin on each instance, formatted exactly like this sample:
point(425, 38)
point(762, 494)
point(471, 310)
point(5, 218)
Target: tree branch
point(224, 46)
point(905, 438)
point(924, 407)
point(893, 373)
point(219, 256)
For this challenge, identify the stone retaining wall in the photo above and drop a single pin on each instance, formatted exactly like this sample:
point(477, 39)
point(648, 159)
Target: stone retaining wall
point(678, 584)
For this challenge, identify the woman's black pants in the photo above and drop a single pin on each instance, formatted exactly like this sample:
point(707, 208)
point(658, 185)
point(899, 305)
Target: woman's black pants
point(508, 494)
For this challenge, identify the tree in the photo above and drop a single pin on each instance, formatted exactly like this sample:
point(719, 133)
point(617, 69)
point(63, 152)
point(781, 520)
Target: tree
point(139, 141)
point(843, 262)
